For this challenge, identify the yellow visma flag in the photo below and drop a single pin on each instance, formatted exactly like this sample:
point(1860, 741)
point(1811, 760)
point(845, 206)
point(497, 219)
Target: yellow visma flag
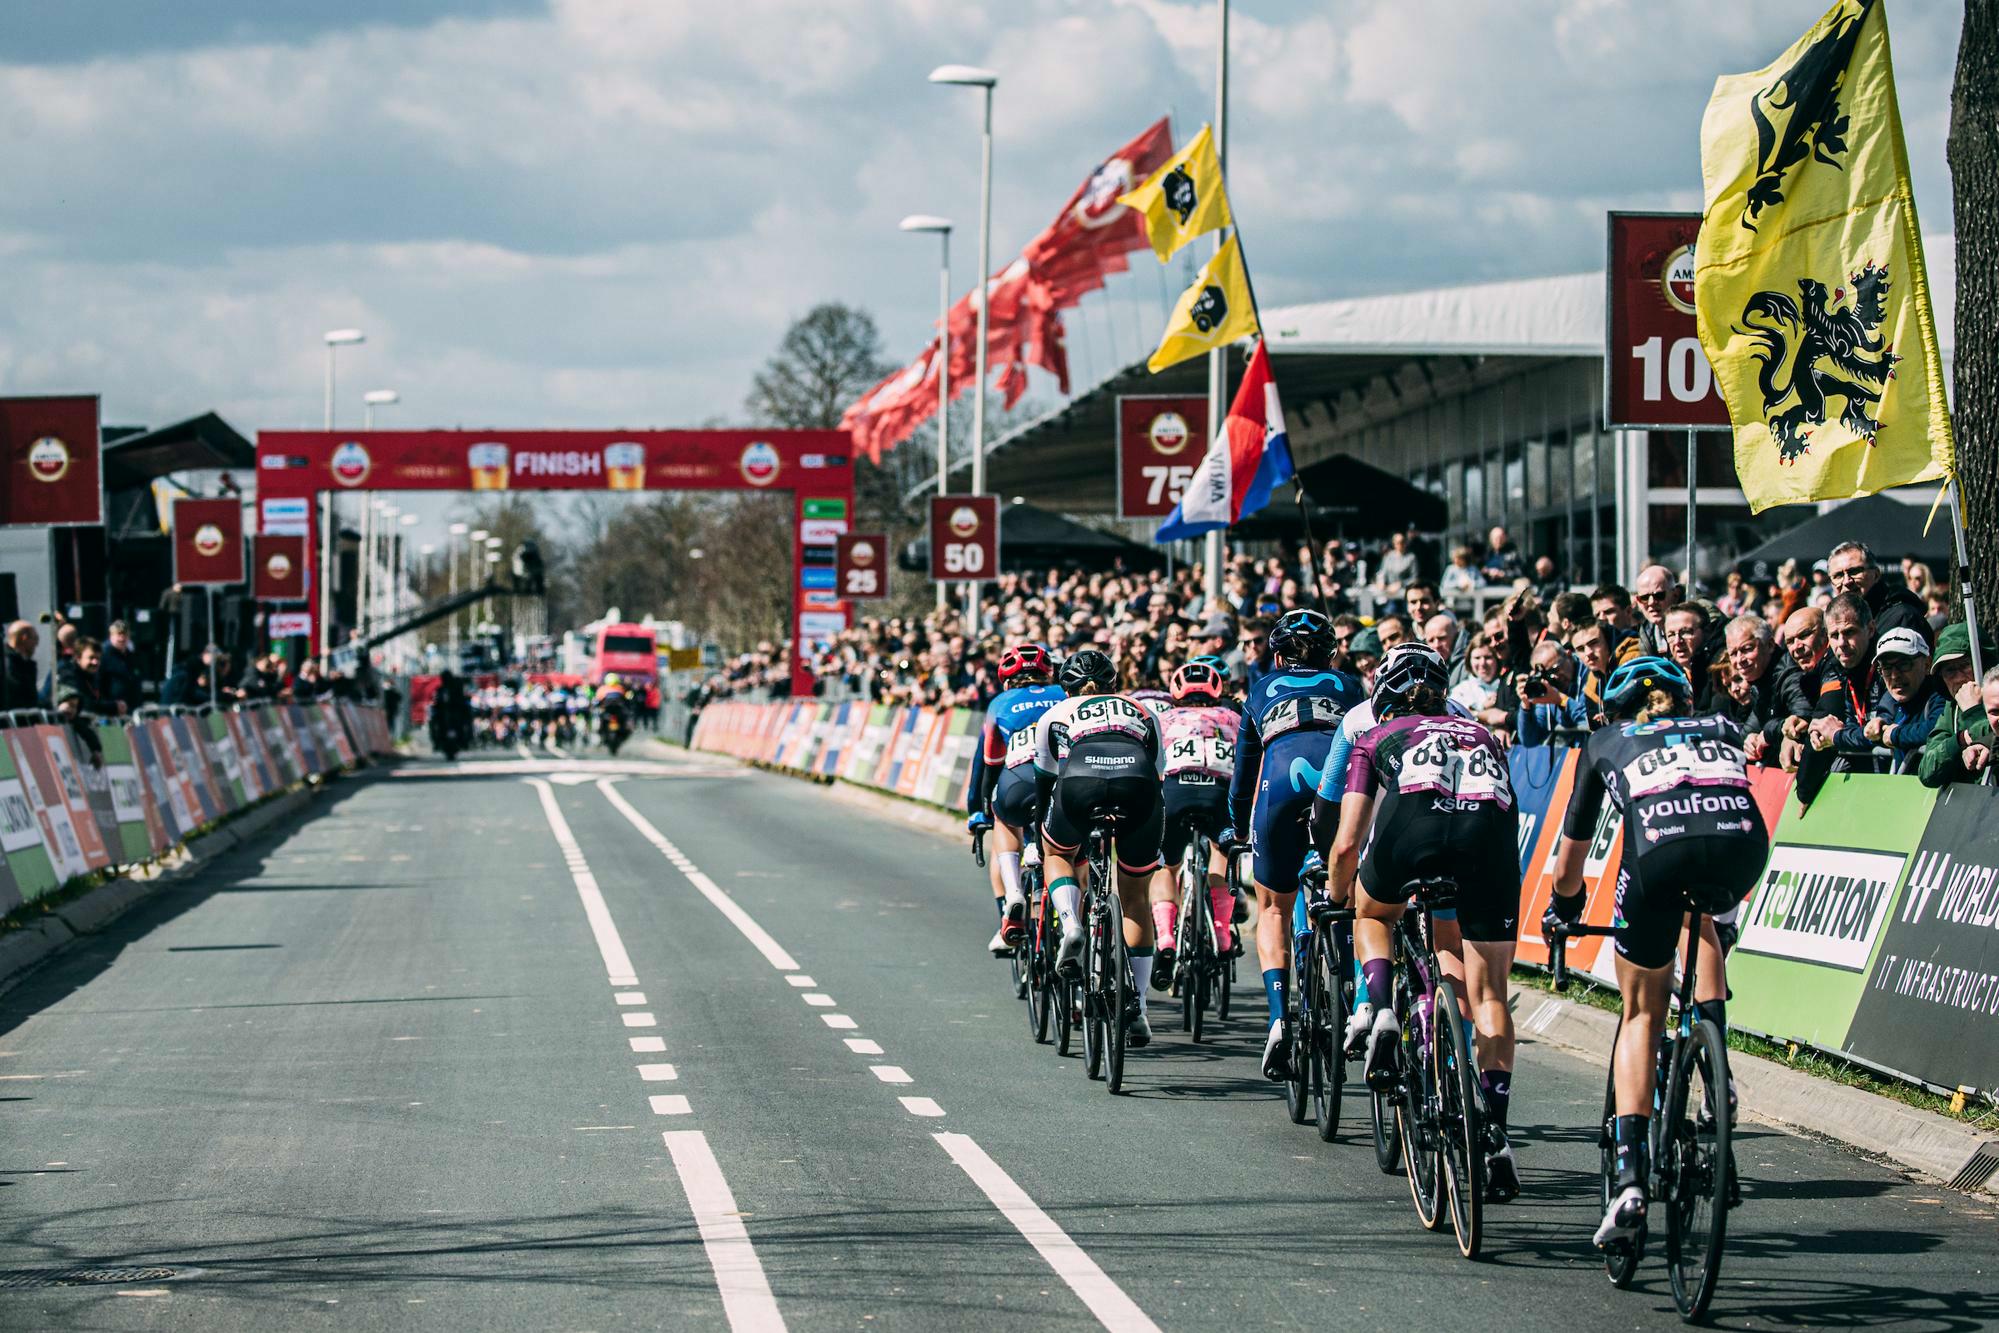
point(1183, 199)
point(1213, 313)
point(1809, 285)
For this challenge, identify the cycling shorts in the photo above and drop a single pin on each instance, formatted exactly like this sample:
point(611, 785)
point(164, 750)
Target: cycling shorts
point(1652, 907)
point(1478, 848)
point(1292, 767)
point(1113, 774)
point(1013, 798)
point(1193, 803)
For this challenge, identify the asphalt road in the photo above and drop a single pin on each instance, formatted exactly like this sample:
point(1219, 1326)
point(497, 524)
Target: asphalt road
point(711, 1048)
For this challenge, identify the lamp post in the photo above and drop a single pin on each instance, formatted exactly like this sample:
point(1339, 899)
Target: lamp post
point(334, 338)
point(941, 227)
point(384, 538)
point(456, 530)
point(472, 572)
point(399, 575)
point(970, 76)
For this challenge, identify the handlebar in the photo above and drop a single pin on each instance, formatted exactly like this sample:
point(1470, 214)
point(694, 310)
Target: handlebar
point(979, 848)
point(1558, 948)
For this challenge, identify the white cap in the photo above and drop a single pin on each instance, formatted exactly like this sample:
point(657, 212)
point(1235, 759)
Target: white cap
point(1901, 642)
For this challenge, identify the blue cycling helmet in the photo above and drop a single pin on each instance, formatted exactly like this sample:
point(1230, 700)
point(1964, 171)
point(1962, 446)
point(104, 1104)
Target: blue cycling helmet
point(1305, 637)
point(1624, 694)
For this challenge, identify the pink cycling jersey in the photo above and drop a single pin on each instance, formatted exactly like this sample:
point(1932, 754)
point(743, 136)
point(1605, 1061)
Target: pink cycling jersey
point(1200, 740)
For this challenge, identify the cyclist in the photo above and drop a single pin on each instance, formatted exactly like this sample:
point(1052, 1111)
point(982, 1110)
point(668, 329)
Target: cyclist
point(1099, 751)
point(1692, 835)
point(1002, 785)
point(1446, 808)
point(614, 707)
point(1289, 722)
point(1199, 734)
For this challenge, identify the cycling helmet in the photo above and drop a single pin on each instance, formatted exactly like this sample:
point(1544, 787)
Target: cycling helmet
point(1407, 666)
point(1197, 678)
point(1025, 658)
point(1624, 694)
point(613, 678)
point(1303, 636)
point(1087, 666)
point(1215, 660)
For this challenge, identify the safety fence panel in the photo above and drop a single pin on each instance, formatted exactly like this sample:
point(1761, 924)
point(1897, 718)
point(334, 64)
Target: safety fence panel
point(126, 791)
point(30, 870)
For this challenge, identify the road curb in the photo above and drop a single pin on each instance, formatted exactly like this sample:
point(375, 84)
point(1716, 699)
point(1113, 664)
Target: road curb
point(1769, 1093)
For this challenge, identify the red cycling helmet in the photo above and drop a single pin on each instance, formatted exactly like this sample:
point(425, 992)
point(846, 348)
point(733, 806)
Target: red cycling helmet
point(1029, 658)
point(1198, 678)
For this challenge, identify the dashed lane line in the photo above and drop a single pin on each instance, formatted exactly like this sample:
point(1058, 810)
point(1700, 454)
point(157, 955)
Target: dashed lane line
point(617, 962)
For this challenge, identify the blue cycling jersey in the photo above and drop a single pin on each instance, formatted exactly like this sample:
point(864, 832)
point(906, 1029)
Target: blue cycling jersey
point(1289, 723)
point(1011, 711)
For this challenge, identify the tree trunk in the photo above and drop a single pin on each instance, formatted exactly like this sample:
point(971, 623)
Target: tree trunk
point(1973, 151)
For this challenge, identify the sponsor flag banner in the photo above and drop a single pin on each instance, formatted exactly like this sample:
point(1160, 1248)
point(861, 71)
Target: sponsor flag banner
point(45, 799)
point(1214, 312)
point(71, 794)
point(51, 472)
point(128, 794)
point(1159, 443)
point(1249, 459)
point(277, 564)
point(1185, 199)
point(1809, 285)
point(208, 541)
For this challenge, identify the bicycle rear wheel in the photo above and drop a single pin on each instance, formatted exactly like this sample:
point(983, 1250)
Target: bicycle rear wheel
point(1329, 1065)
point(1119, 997)
point(1416, 1111)
point(1461, 1132)
point(1298, 1087)
point(1064, 1001)
point(1224, 983)
point(1387, 1130)
point(1620, 1258)
point(1093, 1003)
point(1693, 1169)
point(1040, 996)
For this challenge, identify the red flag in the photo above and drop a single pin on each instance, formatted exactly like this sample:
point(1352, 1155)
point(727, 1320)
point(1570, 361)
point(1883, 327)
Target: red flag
point(1093, 220)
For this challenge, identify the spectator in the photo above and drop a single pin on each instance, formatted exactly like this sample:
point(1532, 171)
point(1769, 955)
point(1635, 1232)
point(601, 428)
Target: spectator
point(1736, 597)
point(1547, 585)
point(1851, 568)
point(1441, 633)
point(1686, 642)
point(259, 681)
point(1592, 646)
point(1460, 579)
point(1849, 689)
point(1800, 678)
point(309, 684)
point(17, 686)
point(1752, 700)
point(69, 706)
point(1254, 644)
point(78, 675)
point(1567, 613)
point(1396, 571)
point(1345, 629)
point(1959, 748)
point(66, 636)
point(1612, 605)
point(1421, 601)
point(1479, 692)
point(1501, 564)
point(1911, 700)
point(1389, 631)
point(1216, 638)
point(1938, 599)
point(1551, 696)
point(120, 672)
point(1656, 591)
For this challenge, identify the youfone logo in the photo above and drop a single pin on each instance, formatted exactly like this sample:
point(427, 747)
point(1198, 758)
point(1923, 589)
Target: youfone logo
point(1676, 279)
point(208, 540)
point(861, 554)
point(760, 463)
point(279, 566)
point(48, 459)
point(964, 521)
point(1168, 433)
point(351, 463)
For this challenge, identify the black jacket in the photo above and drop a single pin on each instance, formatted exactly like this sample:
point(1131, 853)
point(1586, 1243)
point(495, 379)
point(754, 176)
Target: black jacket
point(1898, 608)
point(17, 685)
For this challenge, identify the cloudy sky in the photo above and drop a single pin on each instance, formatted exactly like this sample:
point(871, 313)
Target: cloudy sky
point(604, 212)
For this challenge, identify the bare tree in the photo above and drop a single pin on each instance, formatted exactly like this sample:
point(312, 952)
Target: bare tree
point(1973, 151)
point(827, 359)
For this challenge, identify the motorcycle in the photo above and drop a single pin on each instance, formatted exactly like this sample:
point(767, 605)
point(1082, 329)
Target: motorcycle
point(448, 736)
point(614, 731)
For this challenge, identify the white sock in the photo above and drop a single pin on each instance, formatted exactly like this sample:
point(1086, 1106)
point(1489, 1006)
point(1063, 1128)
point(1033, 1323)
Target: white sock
point(1009, 866)
point(1141, 976)
point(1069, 902)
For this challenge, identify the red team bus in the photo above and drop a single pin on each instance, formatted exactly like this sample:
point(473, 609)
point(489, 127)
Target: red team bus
point(631, 651)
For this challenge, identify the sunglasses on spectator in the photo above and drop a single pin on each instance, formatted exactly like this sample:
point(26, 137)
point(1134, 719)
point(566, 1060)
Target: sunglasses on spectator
point(1651, 596)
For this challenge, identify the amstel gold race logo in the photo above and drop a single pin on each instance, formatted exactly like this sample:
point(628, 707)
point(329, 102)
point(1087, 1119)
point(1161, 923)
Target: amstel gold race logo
point(279, 566)
point(1676, 280)
point(861, 554)
point(48, 459)
point(1168, 433)
point(350, 463)
point(964, 521)
point(208, 540)
point(760, 463)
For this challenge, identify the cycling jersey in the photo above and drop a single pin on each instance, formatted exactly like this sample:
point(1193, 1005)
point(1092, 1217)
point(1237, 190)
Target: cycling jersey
point(1682, 786)
point(1359, 721)
point(1200, 758)
point(1101, 753)
point(1289, 723)
point(1006, 746)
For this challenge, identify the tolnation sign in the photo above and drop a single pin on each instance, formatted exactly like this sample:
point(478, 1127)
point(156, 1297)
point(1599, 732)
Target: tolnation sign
point(1160, 441)
point(1655, 373)
point(964, 537)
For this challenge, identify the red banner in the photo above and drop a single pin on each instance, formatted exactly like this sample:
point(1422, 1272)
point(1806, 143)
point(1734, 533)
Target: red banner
point(1160, 441)
point(964, 538)
point(277, 565)
point(208, 541)
point(50, 469)
point(861, 559)
point(1655, 373)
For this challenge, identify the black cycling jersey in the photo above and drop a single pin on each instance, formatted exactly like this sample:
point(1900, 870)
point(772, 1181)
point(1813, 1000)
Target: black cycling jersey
point(1671, 778)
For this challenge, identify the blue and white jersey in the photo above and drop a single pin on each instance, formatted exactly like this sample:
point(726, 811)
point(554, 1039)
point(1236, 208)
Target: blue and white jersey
point(1007, 739)
point(1289, 718)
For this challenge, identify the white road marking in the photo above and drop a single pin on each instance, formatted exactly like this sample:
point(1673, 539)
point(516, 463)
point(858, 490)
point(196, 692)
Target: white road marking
point(521, 749)
point(800, 980)
point(645, 1044)
point(630, 997)
point(624, 981)
point(670, 1105)
point(617, 962)
point(772, 951)
point(819, 1000)
point(746, 1298)
point(1105, 1299)
point(922, 1106)
point(863, 1046)
point(840, 1021)
point(639, 1020)
point(658, 1073)
point(555, 749)
point(890, 1073)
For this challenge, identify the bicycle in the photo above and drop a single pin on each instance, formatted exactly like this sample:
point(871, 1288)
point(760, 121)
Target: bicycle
point(1197, 963)
point(1038, 945)
point(1107, 985)
point(1693, 1159)
point(1434, 1084)
point(1321, 998)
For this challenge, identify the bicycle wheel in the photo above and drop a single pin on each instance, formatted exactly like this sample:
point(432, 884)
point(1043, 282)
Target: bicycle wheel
point(1039, 963)
point(1224, 983)
point(1693, 1168)
point(1620, 1258)
point(1093, 1003)
point(1187, 959)
point(1416, 1110)
point(1298, 1087)
point(1329, 1021)
point(1119, 996)
point(1064, 1001)
point(1387, 1130)
point(1461, 1130)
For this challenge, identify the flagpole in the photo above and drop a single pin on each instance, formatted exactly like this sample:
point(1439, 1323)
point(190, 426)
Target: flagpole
point(1218, 371)
point(1964, 579)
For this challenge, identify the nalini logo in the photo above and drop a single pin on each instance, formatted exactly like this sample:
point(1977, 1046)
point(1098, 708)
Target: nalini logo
point(279, 566)
point(861, 554)
point(350, 463)
point(1676, 280)
point(964, 521)
point(208, 540)
point(1169, 433)
point(760, 463)
point(48, 459)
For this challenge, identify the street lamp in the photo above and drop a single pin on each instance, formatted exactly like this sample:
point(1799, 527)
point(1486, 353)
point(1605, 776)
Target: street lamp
point(969, 76)
point(373, 399)
point(941, 227)
point(456, 530)
point(334, 338)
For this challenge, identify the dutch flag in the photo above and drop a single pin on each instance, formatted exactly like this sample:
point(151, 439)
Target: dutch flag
point(1249, 459)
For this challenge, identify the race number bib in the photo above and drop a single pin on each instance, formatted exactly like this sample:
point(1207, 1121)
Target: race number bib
point(1108, 715)
point(1209, 755)
point(1439, 764)
point(1020, 748)
point(1686, 761)
point(1301, 713)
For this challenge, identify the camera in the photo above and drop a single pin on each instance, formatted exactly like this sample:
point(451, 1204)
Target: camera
point(1539, 682)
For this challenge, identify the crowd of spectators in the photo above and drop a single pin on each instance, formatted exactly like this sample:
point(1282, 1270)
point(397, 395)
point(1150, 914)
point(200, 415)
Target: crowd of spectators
point(1842, 666)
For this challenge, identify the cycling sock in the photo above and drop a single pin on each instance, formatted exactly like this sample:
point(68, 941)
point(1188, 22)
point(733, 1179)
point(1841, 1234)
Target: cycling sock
point(1716, 1011)
point(1627, 1136)
point(1009, 866)
point(1223, 904)
point(1378, 977)
point(1273, 991)
point(1165, 922)
point(1497, 1085)
point(1001, 904)
point(1141, 972)
point(1068, 901)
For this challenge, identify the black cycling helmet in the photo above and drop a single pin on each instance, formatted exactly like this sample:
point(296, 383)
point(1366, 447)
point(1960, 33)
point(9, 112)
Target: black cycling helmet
point(1087, 666)
point(1305, 637)
point(1625, 693)
point(1407, 667)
